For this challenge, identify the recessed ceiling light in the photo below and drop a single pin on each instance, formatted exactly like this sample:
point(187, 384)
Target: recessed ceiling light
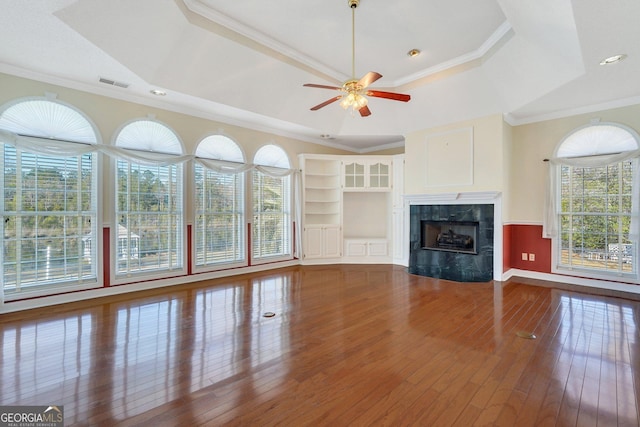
point(613, 59)
point(413, 53)
point(158, 92)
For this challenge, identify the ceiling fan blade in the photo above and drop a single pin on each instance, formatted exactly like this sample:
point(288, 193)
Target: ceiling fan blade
point(364, 111)
point(369, 78)
point(322, 86)
point(325, 103)
point(389, 95)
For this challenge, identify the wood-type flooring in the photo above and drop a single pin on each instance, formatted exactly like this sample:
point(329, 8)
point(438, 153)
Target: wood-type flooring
point(349, 345)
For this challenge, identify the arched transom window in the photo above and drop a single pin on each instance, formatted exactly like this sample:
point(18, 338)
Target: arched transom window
point(597, 201)
point(49, 199)
point(272, 219)
point(149, 237)
point(220, 203)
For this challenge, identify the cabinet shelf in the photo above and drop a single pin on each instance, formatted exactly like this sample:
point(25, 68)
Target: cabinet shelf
point(322, 193)
point(324, 175)
point(315, 187)
point(322, 213)
point(321, 201)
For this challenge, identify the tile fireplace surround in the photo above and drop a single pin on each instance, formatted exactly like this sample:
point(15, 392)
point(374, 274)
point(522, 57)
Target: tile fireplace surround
point(481, 208)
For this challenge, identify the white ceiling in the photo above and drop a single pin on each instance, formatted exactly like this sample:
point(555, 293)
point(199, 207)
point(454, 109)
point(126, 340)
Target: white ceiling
point(244, 62)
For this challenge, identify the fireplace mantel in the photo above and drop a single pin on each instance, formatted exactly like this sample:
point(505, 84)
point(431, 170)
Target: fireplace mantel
point(479, 197)
point(461, 198)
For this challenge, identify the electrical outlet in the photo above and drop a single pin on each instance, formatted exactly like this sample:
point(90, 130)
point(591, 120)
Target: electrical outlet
point(532, 257)
point(524, 256)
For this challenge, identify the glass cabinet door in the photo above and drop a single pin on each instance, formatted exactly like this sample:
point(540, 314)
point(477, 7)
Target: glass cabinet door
point(354, 175)
point(379, 175)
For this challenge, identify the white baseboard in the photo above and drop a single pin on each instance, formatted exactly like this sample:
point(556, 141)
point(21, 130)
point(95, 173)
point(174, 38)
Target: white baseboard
point(592, 283)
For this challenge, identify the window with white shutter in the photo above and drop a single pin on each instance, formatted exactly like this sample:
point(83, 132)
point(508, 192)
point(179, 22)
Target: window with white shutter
point(219, 234)
point(271, 237)
point(149, 237)
point(596, 199)
point(49, 199)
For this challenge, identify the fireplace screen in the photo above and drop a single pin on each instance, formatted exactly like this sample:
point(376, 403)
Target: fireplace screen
point(454, 236)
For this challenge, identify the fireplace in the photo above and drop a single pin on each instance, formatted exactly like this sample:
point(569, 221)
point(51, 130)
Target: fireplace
point(452, 241)
point(453, 236)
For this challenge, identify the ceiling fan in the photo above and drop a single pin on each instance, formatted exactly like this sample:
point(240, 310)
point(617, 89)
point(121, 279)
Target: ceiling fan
point(355, 91)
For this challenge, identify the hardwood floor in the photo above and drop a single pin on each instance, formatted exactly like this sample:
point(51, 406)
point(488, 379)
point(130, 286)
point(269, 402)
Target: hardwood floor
point(349, 345)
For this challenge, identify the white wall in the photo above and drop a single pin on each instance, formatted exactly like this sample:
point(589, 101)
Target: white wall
point(474, 157)
point(110, 114)
point(535, 142)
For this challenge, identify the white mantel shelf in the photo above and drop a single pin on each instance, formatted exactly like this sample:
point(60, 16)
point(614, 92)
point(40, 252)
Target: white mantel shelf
point(479, 197)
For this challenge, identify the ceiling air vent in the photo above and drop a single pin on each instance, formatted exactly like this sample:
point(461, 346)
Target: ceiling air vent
point(113, 82)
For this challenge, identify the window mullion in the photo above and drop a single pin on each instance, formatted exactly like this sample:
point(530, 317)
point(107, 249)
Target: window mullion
point(620, 215)
point(79, 216)
point(570, 230)
point(19, 210)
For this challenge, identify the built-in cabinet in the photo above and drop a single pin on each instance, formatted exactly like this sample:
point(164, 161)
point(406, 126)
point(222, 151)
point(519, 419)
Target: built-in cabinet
point(348, 208)
point(321, 207)
point(372, 174)
point(370, 247)
point(322, 241)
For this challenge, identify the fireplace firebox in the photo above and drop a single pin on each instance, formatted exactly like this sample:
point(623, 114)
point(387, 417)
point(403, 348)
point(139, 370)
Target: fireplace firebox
point(451, 236)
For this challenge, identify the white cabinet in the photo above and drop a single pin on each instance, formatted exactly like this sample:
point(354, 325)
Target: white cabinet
point(348, 208)
point(321, 206)
point(322, 241)
point(366, 248)
point(366, 173)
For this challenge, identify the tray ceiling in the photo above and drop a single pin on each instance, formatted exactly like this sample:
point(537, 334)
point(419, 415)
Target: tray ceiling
point(245, 62)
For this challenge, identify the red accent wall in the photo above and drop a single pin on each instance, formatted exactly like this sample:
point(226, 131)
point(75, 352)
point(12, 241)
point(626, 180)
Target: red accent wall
point(189, 250)
point(519, 239)
point(106, 253)
point(506, 248)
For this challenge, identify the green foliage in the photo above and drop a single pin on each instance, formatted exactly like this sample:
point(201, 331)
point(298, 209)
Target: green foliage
point(146, 206)
point(595, 206)
point(48, 207)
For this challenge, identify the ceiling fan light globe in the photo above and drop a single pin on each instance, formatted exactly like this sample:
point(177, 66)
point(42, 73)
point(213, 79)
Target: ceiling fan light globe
point(345, 103)
point(361, 101)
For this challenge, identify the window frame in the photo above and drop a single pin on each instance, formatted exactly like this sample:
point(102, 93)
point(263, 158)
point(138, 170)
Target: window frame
point(155, 273)
point(557, 240)
point(224, 163)
point(276, 168)
point(55, 287)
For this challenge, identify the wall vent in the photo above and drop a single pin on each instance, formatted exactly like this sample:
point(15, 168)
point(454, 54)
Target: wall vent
point(113, 82)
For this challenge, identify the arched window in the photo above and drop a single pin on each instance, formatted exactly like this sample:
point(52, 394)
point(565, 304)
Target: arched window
point(149, 237)
point(596, 202)
point(272, 219)
point(49, 199)
point(219, 211)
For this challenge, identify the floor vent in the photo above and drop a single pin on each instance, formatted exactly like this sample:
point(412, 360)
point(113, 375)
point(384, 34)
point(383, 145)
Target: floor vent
point(113, 82)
